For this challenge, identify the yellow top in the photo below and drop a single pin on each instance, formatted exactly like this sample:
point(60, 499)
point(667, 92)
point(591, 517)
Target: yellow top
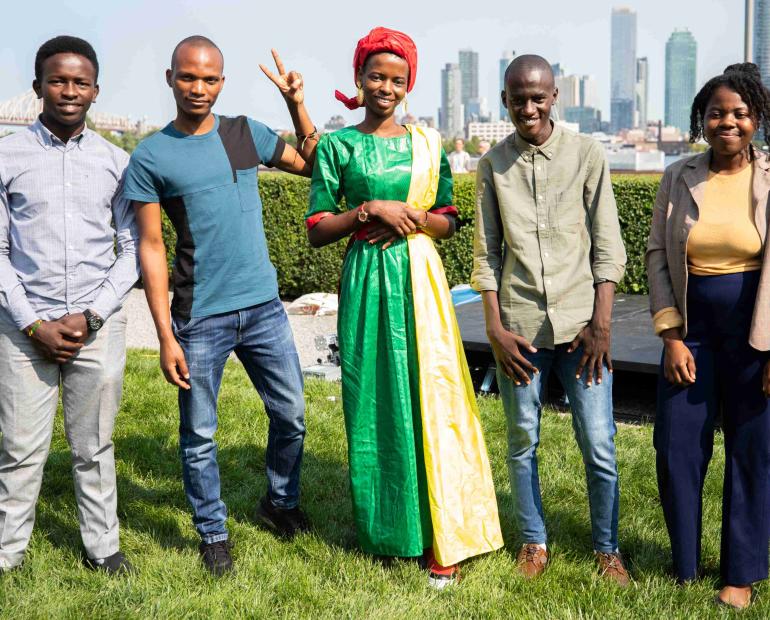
point(725, 238)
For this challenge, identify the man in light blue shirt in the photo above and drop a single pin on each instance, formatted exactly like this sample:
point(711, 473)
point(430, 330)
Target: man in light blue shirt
point(62, 283)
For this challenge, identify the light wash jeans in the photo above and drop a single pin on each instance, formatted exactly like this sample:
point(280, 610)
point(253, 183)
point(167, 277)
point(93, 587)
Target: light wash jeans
point(262, 339)
point(594, 429)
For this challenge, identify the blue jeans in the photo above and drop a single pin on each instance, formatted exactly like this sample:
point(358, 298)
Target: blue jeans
point(262, 339)
point(594, 429)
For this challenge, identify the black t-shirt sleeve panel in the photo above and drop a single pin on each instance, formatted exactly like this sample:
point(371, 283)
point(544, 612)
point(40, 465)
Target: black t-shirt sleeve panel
point(280, 147)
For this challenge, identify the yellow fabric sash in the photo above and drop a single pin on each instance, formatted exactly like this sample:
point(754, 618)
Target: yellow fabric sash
point(462, 495)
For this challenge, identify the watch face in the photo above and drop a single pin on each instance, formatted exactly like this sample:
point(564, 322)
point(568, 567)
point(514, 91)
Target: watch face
point(94, 322)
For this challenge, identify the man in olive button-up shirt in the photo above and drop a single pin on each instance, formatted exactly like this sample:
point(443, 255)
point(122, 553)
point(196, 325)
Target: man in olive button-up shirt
point(547, 256)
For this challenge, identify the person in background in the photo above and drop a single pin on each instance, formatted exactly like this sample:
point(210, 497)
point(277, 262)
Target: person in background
point(459, 159)
point(483, 148)
point(709, 274)
point(202, 170)
point(67, 262)
point(547, 256)
point(419, 471)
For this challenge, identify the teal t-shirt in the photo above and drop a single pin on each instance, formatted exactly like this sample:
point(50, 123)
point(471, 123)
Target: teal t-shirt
point(207, 185)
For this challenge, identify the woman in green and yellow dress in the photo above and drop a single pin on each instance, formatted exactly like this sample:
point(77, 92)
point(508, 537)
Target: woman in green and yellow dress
point(420, 475)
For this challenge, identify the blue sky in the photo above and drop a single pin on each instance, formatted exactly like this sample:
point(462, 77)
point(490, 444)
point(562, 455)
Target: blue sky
point(134, 41)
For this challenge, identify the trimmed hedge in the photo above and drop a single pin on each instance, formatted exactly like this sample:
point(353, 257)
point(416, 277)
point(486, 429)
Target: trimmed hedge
point(303, 269)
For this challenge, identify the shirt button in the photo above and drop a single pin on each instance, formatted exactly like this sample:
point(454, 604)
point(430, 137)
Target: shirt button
point(537, 168)
point(539, 196)
point(544, 253)
point(551, 310)
point(69, 247)
point(548, 153)
point(68, 184)
point(548, 282)
point(542, 225)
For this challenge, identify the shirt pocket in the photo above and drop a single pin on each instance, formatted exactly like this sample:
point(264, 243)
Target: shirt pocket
point(569, 210)
point(248, 189)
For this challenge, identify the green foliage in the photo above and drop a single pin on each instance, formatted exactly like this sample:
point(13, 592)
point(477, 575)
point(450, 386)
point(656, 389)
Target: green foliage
point(302, 269)
point(635, 196)
point(128, 141)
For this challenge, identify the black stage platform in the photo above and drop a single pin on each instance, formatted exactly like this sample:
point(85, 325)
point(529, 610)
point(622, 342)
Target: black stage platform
point(635, 348)
point(635, 355)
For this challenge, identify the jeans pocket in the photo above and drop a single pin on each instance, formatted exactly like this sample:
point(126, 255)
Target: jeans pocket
point(181, 326)
point(248, 189)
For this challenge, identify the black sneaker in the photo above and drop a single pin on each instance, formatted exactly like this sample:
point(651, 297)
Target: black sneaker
point(115, 564)
point(216, 557)
point(285, 522)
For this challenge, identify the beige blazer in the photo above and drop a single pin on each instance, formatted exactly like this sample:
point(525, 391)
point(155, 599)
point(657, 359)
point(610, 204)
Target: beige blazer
point(675, 213)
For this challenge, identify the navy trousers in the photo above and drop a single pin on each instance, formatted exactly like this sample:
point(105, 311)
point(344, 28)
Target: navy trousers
point(728, 380)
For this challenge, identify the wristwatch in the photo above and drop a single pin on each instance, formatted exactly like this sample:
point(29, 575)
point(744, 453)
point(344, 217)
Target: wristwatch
point(93, 320)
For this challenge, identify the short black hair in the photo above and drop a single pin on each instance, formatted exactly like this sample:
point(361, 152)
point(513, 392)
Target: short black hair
point(743, 78)
point(199, 41)
point(65, 45)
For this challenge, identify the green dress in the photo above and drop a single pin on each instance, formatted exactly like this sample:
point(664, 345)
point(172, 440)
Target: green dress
point(376, 332)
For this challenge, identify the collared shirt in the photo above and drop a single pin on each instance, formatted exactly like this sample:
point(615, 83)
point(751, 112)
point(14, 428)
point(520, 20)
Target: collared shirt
point(62, 219)
point(546, 232)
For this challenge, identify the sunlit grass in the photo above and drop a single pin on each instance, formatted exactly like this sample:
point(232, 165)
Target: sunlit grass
point(323, 575)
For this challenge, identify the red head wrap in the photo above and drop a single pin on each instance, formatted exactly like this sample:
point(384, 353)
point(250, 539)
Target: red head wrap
point(382, 40)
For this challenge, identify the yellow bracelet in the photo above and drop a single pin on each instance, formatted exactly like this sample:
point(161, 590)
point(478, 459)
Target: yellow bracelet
point(33, 328)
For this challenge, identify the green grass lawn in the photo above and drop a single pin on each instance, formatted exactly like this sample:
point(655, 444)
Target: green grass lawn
point(323, 575)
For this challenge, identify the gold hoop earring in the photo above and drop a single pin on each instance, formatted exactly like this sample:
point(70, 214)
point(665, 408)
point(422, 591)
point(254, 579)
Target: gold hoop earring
point(359, 94)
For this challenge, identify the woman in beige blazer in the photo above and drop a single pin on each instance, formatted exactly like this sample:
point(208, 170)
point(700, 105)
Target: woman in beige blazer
point(709, 278)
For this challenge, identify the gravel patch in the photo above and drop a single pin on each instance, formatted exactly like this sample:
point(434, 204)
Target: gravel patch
point(140, 333)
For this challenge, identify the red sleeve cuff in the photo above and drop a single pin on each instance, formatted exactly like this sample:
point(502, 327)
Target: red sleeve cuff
point(446, 210)
point(315, 218)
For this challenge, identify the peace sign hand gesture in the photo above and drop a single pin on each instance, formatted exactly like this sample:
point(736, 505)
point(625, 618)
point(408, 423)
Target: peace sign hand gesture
point(290, 84)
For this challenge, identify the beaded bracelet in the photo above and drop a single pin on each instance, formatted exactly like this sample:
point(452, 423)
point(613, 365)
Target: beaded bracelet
point(311, 136)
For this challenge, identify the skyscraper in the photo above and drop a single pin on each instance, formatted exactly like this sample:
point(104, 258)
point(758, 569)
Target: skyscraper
point(451, 114)
point(642, 90)
point(469, 72)
point(505, 60)
point(569, 91)
point(681, 53)
point(589, 92)
point(762, 38)
point(622, 69)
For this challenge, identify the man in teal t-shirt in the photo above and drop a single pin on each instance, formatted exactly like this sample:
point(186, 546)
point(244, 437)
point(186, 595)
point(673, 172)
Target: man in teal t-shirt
point(201, 169)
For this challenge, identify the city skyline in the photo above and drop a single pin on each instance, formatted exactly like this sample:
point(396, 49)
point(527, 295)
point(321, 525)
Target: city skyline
point(134, 43)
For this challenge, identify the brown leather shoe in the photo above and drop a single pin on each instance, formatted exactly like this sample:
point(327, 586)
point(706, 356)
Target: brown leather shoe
point(611, 567)
point(532, 560)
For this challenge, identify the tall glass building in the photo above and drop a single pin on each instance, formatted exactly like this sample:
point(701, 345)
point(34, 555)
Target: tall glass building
point(451, 113)
point(681, 53)
point(469, 75)
point(505, 60)
point(622, 69)
point(762, 38)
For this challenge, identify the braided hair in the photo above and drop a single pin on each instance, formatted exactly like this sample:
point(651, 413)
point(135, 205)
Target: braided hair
point(744, 79)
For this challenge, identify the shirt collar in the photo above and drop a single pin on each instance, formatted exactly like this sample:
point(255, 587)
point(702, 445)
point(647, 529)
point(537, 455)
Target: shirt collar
point(47, 139)
point(547, 149)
